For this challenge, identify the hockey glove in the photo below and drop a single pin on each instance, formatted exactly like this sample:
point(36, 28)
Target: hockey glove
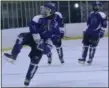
point(62, 35)
point(40, 45)
point(55, 37)
point(48, 47)
point(45, 47)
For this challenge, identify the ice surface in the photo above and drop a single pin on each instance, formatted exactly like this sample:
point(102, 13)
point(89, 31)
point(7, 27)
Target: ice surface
point(70, 74)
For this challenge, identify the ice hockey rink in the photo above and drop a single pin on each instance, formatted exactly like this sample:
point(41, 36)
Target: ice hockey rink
point(70, 74)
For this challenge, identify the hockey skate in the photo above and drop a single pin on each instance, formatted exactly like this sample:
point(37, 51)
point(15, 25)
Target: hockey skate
point(89, 62)
point(61, 60)
point(81, 61)
point(26, 82)
point(49, 60)
point(10, 58)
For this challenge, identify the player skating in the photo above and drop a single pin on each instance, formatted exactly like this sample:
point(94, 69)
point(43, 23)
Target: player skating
point(96, 23)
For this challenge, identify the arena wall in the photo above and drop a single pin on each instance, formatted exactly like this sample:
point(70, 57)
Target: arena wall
point(71, 31)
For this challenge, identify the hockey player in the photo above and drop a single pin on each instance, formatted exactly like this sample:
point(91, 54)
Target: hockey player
point(42, 27)
point(57, 38)
point(96, 23)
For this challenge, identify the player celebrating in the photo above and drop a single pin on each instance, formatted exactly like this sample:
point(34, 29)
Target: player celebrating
point(96, 23)
point(42, 28)
point(56, 38)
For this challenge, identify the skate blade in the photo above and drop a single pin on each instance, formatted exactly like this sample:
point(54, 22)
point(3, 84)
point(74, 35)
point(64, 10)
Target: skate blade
point(49, 63)
point(89, 64)
point(26, 83)
point(9, 60)
point(62, 62)
point(81, 62)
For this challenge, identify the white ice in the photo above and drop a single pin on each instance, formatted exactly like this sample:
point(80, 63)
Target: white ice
point(70, 74)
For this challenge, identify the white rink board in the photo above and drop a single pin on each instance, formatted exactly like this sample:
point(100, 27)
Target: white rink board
point(71, 30)
point(71, 74)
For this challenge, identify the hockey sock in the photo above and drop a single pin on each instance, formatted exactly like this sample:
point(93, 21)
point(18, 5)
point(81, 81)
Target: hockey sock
point(84, 53)
point(31, 71)
point(92, 52)
point(17, 47)
point(60, 52)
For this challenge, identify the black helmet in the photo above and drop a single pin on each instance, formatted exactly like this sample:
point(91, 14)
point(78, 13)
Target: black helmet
point(48, 9)
point(50, 6)
point(97, 5)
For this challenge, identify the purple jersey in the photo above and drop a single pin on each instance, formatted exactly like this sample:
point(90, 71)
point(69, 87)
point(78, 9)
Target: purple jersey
point(46, 26)
point(96, 22)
